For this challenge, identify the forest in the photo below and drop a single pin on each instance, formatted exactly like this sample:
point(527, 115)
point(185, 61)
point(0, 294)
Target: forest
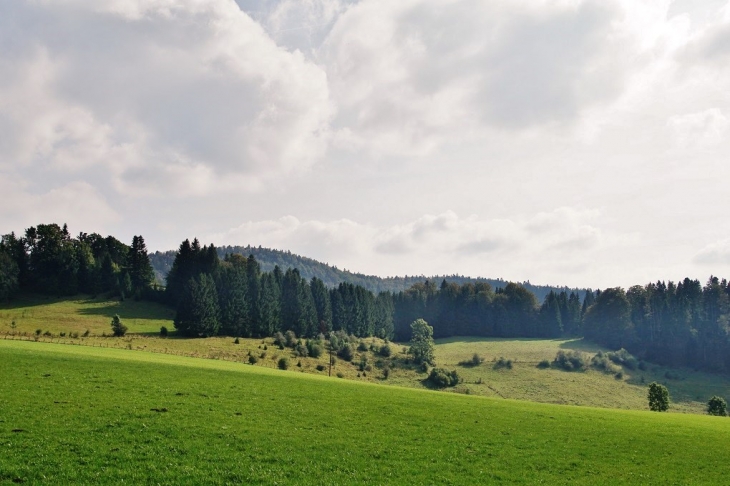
point(682, 324)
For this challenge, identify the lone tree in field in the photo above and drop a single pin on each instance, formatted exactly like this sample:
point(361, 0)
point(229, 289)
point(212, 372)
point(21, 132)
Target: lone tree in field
point(658, 397)
point(717, 406)
point(421, 342)
point(118, 328)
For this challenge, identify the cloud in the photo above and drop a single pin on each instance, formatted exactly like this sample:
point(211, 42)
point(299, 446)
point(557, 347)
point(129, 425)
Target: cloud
point(701, 129)
point(77, 203)
point(715, 254)
point(409, 76)
point(182, 96)
point(443, 243)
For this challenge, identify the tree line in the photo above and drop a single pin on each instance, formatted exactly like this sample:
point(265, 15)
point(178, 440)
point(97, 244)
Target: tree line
point(46, 259)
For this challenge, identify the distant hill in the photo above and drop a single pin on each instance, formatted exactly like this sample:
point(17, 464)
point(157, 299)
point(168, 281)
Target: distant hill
point(333, 276)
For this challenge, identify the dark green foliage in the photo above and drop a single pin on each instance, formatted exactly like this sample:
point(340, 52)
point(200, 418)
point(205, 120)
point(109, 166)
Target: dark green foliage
point(475, 360)
point(314, 348)
point(321, 367)
point(608, 320)
point(236, 341)
point(717, 406)
point(283, 363)
point(362, 346)
point(441, 378)
point(118, 328)
point(503, 363)
point(253, 359)
point(290, 339)
point(346, 353)
point(198, 312)
point(9, 273)
point(385, 350)
point(623, 358)
point(570, 361)
point(601, 361)
point(301, 350)
point(421, 342)
point(140, 269)
point(544, 364)
point(658, 397)
point(163, 331)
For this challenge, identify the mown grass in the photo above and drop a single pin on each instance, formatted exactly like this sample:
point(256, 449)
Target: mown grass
point(90, 415)
point(689, 390)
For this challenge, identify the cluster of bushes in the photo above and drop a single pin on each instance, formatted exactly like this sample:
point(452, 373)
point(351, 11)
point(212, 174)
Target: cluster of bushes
point(441, 378)
point(570, 361)
point(475, 360)
point(503, 363)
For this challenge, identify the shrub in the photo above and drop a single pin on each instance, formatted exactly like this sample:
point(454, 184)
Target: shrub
point(279, 339)
point(503, 363)
point(475, 360)
point(543, 364)
point(717, 406)
point(362, 346)
point(73, 335)
point(346, 352)
point(301, 350)
point(118, 328)
point(658, 397)
point(441, 378)
point(253, 359)
point(290, 339)
point(601, 361)
point(386, 372)
point(236, 341)
point(315, 350)
point(38, 332)
point(283, 364)
point(623, 358)
point(47, 334)
point(299, 364)
point(321, 367)
point(163, 331)
point(363, 363)
point(62, 334)
point(619, 375)
point(86, 333)
point(340, 374)
point(263, 355)
point(385, 350)
point(570, 360)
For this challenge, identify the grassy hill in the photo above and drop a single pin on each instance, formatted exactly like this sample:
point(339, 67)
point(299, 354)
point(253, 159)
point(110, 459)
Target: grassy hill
point(67, 321)
point(333, 276)
point(75, 414)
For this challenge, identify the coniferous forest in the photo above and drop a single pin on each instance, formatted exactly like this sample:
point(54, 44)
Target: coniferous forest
point(677, 324)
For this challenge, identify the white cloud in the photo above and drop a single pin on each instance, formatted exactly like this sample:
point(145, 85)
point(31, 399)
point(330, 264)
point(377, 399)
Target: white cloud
point(170, 90)
point(714, 255)
point(701, 129)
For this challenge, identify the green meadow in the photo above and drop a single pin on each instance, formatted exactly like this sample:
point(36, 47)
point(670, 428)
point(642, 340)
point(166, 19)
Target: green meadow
point(76, 414)
point(65, 321)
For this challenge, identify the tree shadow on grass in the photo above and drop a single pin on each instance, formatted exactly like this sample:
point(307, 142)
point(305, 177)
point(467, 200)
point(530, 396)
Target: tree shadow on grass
point(580, 344)
point(129, 310)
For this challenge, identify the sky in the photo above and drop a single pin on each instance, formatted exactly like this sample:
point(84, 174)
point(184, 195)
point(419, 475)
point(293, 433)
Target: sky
point(567, 142)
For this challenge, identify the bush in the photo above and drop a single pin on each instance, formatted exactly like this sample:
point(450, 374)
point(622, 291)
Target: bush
point(301, 350)
point(363, 363)
point(543, 364)
point(340, 374)
point(623, 358)
point(86, 333)
point(283, 364)
point(73, 335)
point(321, 367)
point(385, 350)
point(118, 329)
point(279, 339)
point(475, 360)
point(48, 334)
point(658, 397)
point(315, 350)
point(570, 361)
point(290, 339)
point(503, 363)
point(38, 332)
point(601, 361)
point(346, 352)
point(253, 359)
point(362, 346)
point(441, 378)
point(163, 331)
point(717, 406)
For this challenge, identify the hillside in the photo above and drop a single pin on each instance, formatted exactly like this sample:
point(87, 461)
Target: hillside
point(333, 276)
point(108, 416)
point(83, 322)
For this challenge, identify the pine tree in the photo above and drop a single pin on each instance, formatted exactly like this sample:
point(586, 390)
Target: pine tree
point(140, 268)
point(198, 311)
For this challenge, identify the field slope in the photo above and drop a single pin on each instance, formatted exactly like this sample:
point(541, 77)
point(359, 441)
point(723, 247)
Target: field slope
point(74, 414)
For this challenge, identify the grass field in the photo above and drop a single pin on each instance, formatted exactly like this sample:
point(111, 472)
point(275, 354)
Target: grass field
point(689, 390)
point(74, 414)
